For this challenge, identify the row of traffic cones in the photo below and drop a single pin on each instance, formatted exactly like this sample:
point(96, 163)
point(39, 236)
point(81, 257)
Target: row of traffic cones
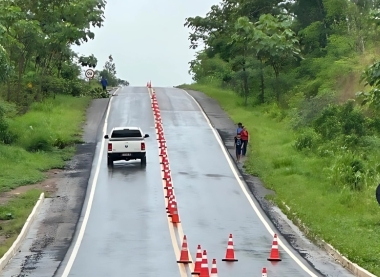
point(201, 263)
point(171, 208)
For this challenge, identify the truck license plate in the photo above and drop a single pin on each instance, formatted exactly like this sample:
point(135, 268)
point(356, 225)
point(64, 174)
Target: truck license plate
point(126, 154)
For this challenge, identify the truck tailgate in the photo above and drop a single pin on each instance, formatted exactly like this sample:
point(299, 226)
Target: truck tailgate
point(124, 146)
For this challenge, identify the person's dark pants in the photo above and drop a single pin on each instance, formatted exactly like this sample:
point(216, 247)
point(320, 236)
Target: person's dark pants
point(244, 151)
point(238, 150)
point(104, 88)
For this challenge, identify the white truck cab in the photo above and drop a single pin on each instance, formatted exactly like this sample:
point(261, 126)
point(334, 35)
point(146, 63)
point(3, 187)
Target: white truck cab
point(126, 143)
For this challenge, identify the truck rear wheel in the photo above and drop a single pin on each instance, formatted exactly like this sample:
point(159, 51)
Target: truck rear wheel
point(143, 161)
point(109, 162)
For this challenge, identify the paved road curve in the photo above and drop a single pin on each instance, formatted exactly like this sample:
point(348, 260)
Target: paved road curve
point(128, 233)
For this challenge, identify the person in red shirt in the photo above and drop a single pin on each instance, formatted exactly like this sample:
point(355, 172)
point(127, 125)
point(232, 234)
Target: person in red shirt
point(244, 137)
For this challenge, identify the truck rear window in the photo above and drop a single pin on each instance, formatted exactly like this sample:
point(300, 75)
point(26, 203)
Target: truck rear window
point(126, 134)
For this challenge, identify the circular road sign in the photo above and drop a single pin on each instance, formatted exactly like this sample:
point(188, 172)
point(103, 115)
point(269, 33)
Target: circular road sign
point(90, 73)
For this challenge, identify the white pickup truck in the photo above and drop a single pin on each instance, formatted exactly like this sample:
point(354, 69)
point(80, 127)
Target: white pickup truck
point(126, 143)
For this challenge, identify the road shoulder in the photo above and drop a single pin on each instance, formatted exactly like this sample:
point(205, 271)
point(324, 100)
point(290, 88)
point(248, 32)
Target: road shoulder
point(51, 233)
point(224, 125)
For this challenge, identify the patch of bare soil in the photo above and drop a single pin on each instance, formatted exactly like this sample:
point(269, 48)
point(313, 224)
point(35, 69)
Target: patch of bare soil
point(49, 186)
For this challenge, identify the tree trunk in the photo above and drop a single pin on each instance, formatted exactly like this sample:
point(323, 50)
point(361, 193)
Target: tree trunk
point(262, 85)
point(246, 88)
point(20, 69)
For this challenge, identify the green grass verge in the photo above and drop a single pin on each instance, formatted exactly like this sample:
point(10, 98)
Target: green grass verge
point(19, 208)
point(50, 125)
point(347, 220)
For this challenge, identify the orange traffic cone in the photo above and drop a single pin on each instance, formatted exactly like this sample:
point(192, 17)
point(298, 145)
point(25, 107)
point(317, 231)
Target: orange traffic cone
point(162, 151)
point(169, 192)
point(214, 270)
point(198, 261)
point(204, 266)
point(164, 160)
point(184, 258)
point(169, 184)
point(230, 253)
point(174, 210)
point(274, 253)
point(165, 167)
point(162, 144)
point(169, 206)
point(166, 174)
point(264, 272)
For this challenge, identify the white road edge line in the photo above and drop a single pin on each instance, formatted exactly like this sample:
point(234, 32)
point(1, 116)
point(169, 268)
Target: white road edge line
point(243, 188)
point(89, 203)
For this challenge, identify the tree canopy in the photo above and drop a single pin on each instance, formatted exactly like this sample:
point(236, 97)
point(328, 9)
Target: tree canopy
point(36, 59)
point(249, 44)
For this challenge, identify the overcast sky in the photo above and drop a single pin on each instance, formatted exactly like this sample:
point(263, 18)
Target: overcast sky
point(147, 40)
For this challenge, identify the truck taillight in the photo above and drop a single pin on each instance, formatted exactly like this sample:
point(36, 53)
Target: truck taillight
point(143, 146)
point(109, 146)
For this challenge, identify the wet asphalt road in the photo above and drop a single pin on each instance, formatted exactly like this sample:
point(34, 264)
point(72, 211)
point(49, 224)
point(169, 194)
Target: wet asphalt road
point(128, 233)
point(210, 201)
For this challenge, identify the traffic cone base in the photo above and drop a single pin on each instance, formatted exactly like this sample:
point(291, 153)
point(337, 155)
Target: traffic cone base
point(230, 260)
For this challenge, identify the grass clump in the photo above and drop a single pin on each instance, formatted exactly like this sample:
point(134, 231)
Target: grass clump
point(13, 215)
point(323, 165)
point(42, 139)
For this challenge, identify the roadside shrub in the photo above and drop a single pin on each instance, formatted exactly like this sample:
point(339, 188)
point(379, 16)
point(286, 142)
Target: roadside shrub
point(348, 171)
point(328, 123)
point(6, 136)
point(308, 109)
point(75, 87)
point(306, 140)
point(97, 92)
point(38, 142)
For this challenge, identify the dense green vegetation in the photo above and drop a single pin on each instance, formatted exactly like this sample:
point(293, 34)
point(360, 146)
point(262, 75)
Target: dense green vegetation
point(43, 93)
point(303, 77)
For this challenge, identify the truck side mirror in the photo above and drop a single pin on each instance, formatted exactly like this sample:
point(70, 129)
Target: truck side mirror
point(146, 136)
point(106, 137)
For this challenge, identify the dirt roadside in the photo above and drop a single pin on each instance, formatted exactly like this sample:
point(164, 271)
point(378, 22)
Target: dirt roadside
point(51, 234)
point(317, 257)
